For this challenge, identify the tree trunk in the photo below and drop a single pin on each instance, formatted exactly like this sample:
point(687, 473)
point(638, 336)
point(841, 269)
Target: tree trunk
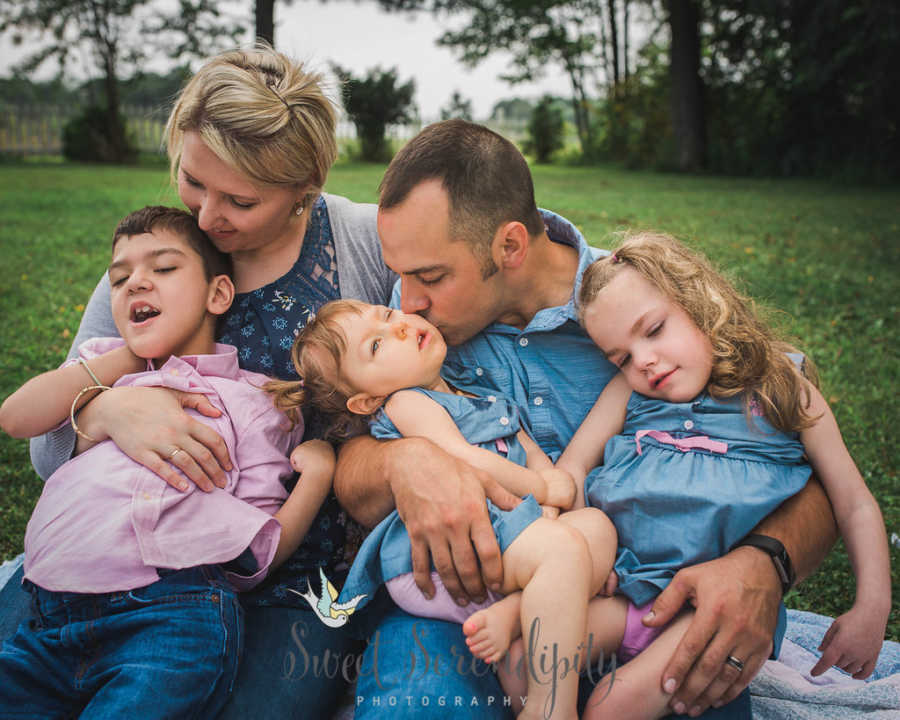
point(625, 42)
point(117, 142)
point(687, 87)
point(265, 21)
point(580, 106)
point(614, 40)
point(604, 53)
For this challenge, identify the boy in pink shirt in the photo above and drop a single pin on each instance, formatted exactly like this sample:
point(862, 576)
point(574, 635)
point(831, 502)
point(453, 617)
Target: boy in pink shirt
point(134, 581)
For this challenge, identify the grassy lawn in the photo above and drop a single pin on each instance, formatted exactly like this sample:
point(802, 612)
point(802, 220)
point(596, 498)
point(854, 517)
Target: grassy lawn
point(827, 257)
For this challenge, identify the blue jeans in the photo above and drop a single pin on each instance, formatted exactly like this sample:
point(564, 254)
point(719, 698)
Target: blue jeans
point(169, 649)
point(420, 669)
point(294, 665)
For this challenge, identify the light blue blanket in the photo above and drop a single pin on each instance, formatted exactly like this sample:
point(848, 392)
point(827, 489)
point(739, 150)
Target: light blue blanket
point(784, 689)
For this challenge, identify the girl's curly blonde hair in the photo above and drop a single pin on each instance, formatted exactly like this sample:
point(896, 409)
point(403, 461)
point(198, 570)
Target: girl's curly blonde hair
point(316, 355)
point(748, 358)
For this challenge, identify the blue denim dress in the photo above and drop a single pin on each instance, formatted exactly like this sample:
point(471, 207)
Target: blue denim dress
point(490, 422)
point(685, 481)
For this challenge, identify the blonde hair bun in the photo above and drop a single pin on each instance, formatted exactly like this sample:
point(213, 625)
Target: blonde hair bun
point(262, 114)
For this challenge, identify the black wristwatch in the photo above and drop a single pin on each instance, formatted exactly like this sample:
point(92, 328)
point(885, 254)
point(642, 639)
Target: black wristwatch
point(780, 557)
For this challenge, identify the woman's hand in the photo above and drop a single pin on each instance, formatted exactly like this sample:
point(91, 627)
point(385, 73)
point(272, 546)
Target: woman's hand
point(151, 427)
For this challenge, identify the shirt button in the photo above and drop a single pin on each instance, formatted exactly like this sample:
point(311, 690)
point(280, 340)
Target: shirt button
point(688, 424)
point(173, 372)
point(146, 496)
point(523, 342)
point(479, 372)
point(504, 420)
point(539, 400)
point(492, 398)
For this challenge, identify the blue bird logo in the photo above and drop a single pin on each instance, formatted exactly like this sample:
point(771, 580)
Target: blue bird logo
point(331, 613)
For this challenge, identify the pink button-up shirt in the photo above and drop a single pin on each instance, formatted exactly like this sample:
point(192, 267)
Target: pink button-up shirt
point(104, 523)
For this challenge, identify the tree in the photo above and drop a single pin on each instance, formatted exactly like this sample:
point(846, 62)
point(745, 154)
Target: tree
point(538, 34)
point(458, 107)
point(686, 85)
point(373, 102)
point(116, 34)
point(545, 130)
point(265, 21)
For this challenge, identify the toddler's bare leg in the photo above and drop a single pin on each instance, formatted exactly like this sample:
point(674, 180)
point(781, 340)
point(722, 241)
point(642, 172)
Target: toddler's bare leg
point(549, 562)
point(634, 691)
point(601, 537)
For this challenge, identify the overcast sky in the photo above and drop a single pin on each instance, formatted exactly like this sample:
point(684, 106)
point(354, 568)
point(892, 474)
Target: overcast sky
point(359, 36)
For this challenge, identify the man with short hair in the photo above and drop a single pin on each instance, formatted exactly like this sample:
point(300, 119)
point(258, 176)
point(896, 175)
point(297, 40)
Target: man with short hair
point(459, 224)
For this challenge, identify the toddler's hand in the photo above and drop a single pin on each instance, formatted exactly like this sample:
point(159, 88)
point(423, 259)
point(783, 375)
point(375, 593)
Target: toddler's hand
point(313, 457)
point(560, 487)
point(852, 643)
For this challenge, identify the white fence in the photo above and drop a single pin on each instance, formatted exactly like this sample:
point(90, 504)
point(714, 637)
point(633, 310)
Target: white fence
point(37, 129)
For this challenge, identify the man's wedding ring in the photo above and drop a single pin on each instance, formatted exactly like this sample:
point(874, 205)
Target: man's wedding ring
point(735, 663)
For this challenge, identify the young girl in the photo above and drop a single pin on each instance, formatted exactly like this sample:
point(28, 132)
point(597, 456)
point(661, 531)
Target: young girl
point(704, 432)
point(357, 360)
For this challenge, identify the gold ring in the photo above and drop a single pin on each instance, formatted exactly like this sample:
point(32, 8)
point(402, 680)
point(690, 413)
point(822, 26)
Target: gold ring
point(174, 453)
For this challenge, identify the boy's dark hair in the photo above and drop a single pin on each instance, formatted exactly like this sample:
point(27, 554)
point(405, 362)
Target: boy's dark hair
point(486, 179)
point(183, 224)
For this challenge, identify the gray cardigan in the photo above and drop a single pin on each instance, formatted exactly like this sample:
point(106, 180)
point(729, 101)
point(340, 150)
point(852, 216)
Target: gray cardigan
point(363, 276)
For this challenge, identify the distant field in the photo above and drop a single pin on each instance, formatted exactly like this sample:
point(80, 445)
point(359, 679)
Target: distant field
point(828, 257)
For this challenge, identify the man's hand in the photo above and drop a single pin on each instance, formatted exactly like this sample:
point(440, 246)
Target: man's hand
point(736, 599)
point(441, 501)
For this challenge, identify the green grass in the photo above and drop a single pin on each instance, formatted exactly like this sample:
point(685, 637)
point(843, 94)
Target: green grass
point(827, 257)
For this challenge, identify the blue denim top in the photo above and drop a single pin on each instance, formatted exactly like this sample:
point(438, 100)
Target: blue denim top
point(551, 369)
point(675, 508)
point(483, 421)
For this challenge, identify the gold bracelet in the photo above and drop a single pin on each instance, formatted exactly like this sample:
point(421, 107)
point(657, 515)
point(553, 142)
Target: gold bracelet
point(75, 402)
point(89, 371)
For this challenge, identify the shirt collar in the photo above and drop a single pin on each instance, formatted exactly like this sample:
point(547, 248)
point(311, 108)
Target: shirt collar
point(223, 363)
point(564, 232)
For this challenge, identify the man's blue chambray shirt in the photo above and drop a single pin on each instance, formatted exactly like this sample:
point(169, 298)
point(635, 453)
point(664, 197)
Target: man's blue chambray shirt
point(552, 369)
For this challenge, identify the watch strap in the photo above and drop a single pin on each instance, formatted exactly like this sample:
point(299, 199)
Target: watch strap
point(780, 558)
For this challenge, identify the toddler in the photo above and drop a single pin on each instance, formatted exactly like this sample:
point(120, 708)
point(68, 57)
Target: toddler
point(358, 360)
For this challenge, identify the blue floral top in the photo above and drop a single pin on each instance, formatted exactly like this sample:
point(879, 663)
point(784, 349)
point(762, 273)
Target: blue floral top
point(262, 325)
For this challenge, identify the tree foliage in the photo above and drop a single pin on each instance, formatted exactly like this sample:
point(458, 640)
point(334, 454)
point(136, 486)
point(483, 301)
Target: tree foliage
point(541, 36)
point(457, 107)
point(546, 130)
point(118, 36)
point(373, 102)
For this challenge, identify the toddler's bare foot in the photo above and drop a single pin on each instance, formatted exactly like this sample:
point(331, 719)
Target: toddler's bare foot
point(489, 632)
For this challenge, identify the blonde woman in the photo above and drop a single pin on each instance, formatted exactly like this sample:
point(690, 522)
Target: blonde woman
point(251, 140)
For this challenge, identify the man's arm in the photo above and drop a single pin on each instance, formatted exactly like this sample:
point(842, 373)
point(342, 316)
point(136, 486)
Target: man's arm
point(736, 599)
point(361, 479)
point(441, 501)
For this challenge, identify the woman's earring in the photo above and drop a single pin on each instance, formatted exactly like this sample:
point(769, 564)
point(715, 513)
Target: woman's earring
point(299, 209)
